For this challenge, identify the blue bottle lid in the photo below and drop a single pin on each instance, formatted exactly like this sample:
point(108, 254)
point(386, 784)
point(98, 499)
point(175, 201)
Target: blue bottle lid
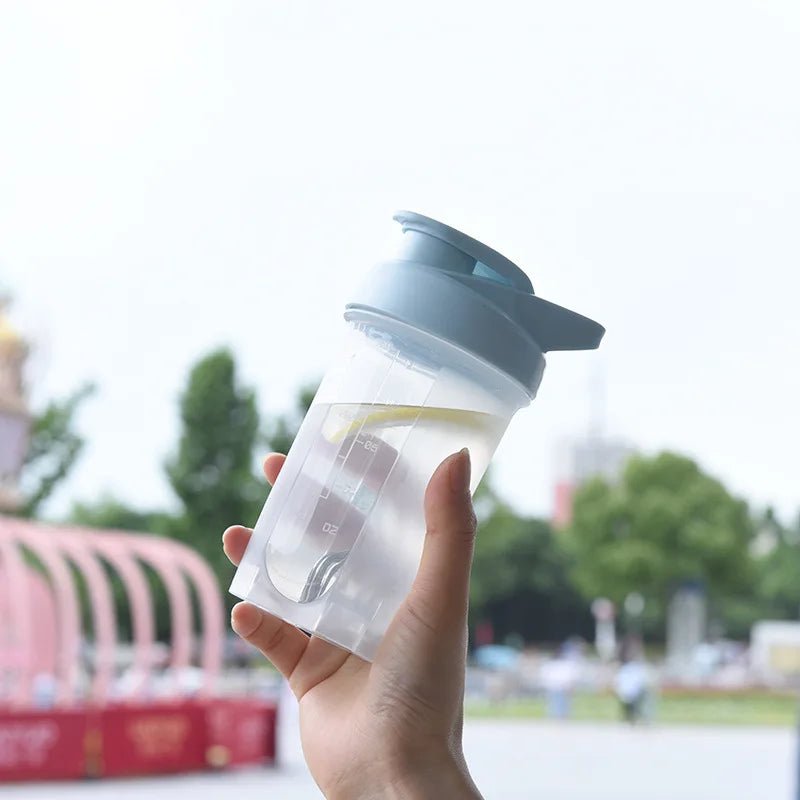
point(454, 287)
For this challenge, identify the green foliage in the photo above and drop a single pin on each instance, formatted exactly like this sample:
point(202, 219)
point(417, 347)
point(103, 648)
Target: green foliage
point(212, 472)
point(512, 554)
point(53, 449)
point(779, 581)
point(112, 514)
point(665, 522)
point(520, 578)
point(779, 569)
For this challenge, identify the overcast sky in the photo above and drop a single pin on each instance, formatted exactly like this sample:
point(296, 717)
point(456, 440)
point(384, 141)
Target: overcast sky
point(174, 176)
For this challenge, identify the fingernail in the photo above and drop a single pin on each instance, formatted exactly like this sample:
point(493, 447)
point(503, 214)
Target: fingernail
point(460, 470)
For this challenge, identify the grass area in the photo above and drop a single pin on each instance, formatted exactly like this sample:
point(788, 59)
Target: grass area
point(710, 708)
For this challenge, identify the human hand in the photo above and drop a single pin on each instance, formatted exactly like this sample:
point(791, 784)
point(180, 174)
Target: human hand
point(392, 728)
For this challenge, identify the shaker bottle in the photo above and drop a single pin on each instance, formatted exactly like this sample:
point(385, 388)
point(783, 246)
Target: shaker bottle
point(445, 343)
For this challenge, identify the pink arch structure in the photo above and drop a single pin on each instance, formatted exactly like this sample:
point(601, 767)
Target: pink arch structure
point(41, 630)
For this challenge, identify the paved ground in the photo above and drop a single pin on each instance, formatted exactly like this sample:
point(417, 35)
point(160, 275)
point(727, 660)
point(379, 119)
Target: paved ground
point(525, 761)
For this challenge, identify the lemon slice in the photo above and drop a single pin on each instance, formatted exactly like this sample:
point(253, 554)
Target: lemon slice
point(394, 416)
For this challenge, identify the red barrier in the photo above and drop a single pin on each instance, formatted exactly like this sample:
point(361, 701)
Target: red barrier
point(136, 739)
point(43, 745)
point(240, 732)
point(143, 740)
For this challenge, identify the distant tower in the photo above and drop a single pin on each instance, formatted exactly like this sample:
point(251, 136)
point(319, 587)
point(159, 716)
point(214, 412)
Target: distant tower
point(598, 388)
point(14, 414)
point(594, 454)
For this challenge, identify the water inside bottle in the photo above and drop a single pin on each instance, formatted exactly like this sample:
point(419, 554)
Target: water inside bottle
point(358, 470)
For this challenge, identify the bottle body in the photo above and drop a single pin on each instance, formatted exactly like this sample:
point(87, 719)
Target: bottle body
point(337, 546)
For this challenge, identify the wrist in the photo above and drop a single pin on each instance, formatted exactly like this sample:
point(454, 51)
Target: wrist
point(446, 778)
point(431, 780)
point(417, 775)
point(425, 776)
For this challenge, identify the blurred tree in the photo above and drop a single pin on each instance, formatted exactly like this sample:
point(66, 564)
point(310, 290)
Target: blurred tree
point(520, 578)
point(280, 432)
point(775, 592)
point(53, 449)
point(778, 564)
point(110, 513)
point(664, 522)
point(212, 472)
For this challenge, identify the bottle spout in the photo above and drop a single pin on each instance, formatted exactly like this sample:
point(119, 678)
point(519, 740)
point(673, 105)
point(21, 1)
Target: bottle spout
point(554, 327)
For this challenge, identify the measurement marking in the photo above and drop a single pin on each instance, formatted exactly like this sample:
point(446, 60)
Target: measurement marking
point(327, 527)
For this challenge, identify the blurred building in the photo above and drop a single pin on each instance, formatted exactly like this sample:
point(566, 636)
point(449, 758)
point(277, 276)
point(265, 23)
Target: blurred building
point(579, 460)
point(14, 416)
point(775, 651)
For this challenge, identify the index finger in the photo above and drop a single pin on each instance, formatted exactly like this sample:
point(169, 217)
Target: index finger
point(272, 466)
point(235, 538)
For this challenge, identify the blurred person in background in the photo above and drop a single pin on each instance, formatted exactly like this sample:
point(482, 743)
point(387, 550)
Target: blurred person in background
point(631, 683)
point(559, 678)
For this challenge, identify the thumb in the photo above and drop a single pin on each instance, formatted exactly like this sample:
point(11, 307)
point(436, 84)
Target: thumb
point(439, 597)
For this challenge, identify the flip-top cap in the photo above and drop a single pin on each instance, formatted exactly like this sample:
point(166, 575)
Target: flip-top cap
point(455, 287)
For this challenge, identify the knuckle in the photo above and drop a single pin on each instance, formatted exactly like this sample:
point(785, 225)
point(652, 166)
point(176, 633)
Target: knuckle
point(466, 529)
point(272, 640)
point(419, 616)
point(461, 527)
point(472, 522)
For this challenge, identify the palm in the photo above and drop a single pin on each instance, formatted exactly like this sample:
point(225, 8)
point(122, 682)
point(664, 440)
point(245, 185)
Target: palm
point(330, 725)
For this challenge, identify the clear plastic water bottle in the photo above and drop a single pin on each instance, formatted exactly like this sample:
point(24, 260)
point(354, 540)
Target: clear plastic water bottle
point(445, 344)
